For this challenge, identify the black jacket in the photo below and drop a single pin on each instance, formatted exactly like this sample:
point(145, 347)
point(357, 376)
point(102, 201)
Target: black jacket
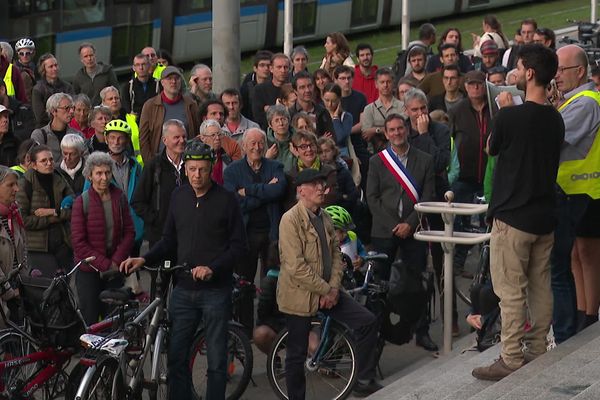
point(133, 95)
point(8, 150)
point(152, 195)
point(435, 142)
point(77, 182)
point(207, 230)
point(470, 132)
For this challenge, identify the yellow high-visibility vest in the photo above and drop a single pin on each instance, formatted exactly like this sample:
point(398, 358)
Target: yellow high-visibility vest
point(158, 71)
point(582, 176)
point(135, 137)
point(10, 88)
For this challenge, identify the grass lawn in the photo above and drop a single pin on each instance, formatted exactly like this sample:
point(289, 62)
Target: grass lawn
point(386, 42)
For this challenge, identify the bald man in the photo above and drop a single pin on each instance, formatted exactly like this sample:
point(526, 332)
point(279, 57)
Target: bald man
point(577, 211)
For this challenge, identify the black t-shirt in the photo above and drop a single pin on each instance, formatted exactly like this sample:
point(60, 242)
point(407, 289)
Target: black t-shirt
point(527, 141)
point(355, 104)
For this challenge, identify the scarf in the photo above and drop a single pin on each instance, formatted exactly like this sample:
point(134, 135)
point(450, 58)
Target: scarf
point(71, 172)
point(12, 214)
point(167, 100)
point(316, 165)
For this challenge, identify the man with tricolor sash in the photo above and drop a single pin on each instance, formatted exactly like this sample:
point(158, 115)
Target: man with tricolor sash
point(399, 177)
point(578, 194)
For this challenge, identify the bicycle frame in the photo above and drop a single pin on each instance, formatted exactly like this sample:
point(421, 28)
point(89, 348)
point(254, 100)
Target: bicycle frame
point(55, 358)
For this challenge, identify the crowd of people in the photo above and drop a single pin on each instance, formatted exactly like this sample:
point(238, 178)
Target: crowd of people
point(293, 164)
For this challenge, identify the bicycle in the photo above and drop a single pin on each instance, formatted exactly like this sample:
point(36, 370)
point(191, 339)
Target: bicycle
point(331, 369)
point(115, 364)
point(34, 357)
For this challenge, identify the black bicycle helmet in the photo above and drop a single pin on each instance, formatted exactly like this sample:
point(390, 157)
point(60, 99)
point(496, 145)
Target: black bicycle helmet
point(196, 150)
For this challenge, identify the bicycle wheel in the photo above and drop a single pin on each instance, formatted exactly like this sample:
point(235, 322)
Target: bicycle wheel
point(105, 383)
point(14, 345)
point(240, 360)
point(481, 274)
point(334, 375)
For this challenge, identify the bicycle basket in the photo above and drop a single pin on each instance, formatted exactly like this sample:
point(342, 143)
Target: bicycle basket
point(51, 311)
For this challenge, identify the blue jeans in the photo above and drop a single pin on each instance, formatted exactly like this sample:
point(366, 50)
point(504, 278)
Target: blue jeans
point(570, 210)
point(187, 309)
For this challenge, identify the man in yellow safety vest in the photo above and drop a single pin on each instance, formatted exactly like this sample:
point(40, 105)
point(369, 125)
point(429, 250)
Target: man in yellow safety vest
point(578, 189)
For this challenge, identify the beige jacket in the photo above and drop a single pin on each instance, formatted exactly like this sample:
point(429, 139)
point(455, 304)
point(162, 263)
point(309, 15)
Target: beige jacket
point(300, 279)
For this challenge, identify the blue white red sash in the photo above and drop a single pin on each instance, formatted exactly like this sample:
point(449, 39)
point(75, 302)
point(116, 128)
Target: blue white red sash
point(399, 171)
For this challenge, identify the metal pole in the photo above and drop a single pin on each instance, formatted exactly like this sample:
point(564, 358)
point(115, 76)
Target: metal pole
point(226, 45)
point(448, 281)
point(405, 23)
point(288, 27)
point(594, 7)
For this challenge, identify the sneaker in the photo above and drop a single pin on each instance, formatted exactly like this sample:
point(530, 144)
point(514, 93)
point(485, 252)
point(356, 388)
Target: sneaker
point(366, 389)
point(494, 372)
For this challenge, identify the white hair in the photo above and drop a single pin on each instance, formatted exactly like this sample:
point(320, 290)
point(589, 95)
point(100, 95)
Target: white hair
point(170, 123)
point(53, 101)
point(107, 89)
point(73, 141)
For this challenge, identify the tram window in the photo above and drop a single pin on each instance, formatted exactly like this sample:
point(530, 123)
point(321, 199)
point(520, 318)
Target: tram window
point(305, 18)
point(200, 4)
point(364, 12)
point(83, 12)
point(19, 8)
point(474, 3)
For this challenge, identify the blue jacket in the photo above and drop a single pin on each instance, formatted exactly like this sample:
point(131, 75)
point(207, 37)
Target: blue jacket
point(135, 170)
point(239, 175)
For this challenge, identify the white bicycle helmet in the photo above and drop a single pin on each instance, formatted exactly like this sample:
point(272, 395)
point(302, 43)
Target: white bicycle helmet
point(24, 43)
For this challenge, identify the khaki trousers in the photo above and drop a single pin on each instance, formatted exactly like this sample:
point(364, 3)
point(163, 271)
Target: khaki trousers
point(520, 269)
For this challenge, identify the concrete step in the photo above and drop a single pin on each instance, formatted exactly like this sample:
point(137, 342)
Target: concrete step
point(556, 363)
point(421, 380)
point(571, 370)
point(591, 393)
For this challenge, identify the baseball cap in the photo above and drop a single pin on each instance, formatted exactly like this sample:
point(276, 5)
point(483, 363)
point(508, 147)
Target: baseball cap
point(309, 175)
point(170, 70)
point(489, 47)
point(3, 109)
point(474, 76)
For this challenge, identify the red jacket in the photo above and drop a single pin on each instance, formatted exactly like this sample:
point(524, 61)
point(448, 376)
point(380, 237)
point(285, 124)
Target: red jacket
point(87, 232)
point(366, 84)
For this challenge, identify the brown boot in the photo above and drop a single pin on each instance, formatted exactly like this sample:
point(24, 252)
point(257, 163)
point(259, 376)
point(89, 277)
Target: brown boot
point(494, 372)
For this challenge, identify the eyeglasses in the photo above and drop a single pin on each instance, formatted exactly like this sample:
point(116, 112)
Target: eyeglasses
point(305, 147)
point(66, 108)
point(560, 70)
point(46, 160)
point(25, 53)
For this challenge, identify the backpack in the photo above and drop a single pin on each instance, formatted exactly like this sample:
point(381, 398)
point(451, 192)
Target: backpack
point(399, 67)
point(408, 296)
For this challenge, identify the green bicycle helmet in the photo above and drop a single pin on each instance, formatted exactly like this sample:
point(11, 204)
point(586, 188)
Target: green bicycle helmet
point(196, 150)
point(117, 125)
point(341, 218)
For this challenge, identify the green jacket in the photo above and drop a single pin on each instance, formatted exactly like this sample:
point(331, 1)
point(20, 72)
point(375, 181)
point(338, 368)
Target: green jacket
point(284, 154)
point(488, 179)
point(32, 196)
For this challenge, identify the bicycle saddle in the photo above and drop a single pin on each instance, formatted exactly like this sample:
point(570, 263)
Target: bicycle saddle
point(116, 297)
point(377, 256)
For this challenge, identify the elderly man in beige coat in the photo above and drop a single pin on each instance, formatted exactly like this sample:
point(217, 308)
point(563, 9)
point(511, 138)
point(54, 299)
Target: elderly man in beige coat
point(309, 281)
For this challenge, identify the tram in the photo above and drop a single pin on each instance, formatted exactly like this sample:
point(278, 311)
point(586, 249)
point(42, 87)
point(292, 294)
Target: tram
point(120, 28)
